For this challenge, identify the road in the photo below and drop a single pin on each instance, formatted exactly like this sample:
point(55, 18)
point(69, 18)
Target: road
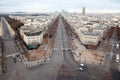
point(114, 67)
point(62, 65)
point(49, 71)
point(10, 46)
point(110, 63)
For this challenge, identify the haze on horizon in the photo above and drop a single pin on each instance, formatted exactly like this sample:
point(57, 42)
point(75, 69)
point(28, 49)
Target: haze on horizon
point(93, 6)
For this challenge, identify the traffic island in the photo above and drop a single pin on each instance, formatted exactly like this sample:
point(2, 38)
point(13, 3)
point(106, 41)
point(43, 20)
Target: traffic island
point(88, 56)
point(41, 54)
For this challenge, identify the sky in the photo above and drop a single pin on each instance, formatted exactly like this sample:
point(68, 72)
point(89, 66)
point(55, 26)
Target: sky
point(92, 6)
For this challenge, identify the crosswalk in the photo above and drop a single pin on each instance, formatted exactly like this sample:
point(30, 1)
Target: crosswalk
point(12, 55)
point(62, 49)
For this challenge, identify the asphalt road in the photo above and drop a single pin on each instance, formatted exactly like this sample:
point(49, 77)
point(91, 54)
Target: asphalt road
point(114, 67)
point(10, 46)
point(49, 71)
point(110, 63)
point(62, 65)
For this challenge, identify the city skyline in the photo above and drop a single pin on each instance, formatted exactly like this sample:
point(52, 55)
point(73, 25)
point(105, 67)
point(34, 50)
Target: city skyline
point(93, 6)
point(59, 40)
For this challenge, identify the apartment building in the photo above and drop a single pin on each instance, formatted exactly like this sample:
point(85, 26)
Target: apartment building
point(35, 27)
point(31, 36)
point(90, 29)
point(101, 29)
point(89, 37)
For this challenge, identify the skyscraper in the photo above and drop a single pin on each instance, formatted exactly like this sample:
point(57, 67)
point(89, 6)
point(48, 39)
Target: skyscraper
point(83, 11)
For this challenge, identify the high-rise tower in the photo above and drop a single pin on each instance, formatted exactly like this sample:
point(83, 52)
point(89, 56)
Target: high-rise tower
point(83, 11)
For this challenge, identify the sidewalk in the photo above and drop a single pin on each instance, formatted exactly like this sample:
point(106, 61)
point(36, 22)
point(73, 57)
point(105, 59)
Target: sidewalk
point(79, 44)
point(81, 54)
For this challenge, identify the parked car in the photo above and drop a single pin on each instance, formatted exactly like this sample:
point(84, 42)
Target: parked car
point(82, 65)
point(81, 69)
point(117, 58)
point(14, 60)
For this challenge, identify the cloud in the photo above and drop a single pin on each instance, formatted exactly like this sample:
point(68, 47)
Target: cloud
point(37, 5)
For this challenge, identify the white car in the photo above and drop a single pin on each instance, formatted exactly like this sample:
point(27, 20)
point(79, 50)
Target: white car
point(48, 59)
point(117, 61)
point(81, 69)
point(82, 65)
point(117, 58)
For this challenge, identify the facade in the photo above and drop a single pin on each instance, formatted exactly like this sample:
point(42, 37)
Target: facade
point(101, 29)
point(89, 34)
point(33, 37)
point(89, 37)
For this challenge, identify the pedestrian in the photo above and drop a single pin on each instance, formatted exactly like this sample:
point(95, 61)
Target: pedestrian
point(19, 60)
point(14, 60)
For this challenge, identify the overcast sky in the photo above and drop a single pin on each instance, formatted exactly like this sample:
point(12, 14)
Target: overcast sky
point(53, 5)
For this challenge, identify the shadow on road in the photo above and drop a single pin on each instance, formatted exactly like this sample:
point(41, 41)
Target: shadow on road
point(115, 74)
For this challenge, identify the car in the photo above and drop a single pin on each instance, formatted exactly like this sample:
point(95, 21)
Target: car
point(82, 65)
point(3, 69)
point(17, 55)
point(117, 46)
point(81, 69)
point(117, 61)
point(19, 60)
point(48, 59)
point(14, 60)
point(117, 58)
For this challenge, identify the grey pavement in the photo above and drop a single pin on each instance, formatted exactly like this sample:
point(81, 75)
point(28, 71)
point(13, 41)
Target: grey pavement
point(110, 58)
point(79, 45)
point(10, 46)
point(61, 67)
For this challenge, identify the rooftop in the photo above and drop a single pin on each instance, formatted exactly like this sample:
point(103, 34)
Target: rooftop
point(90, 33)
point(99, 27)
point(33, 33)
